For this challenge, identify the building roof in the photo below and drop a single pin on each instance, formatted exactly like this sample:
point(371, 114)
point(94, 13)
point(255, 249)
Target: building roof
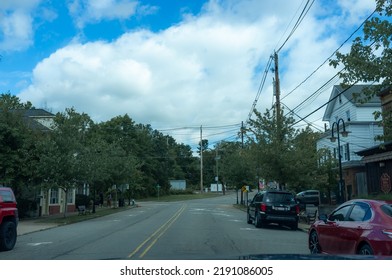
point(354, 94)
point(378, 149)
point(31, 117)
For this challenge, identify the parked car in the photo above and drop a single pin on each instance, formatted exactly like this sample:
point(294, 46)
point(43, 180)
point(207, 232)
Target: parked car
point(278, 207)
point(308, 197)
point(359, 226)
point(8, 219)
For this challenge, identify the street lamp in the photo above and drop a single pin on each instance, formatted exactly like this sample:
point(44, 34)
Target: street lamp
point(333, 139)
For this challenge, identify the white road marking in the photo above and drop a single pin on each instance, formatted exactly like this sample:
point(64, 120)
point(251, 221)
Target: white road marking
point(39, 243)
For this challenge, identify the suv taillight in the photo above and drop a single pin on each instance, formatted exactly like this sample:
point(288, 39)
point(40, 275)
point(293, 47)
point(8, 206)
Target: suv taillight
point(263, 207)
point(297, 210)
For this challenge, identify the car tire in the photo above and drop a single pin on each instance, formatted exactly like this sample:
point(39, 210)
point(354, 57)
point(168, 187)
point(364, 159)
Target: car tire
point(365, 250)
point(314, 244)
point(7, 236)
point(258, 221)
point(248, 218)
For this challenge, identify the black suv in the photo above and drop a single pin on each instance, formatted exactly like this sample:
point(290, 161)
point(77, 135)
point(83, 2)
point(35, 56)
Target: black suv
point(273, 206)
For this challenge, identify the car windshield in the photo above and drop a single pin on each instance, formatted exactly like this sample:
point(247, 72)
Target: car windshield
point(6, 196)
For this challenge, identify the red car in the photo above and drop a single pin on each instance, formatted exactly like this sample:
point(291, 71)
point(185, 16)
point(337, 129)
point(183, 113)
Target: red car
point(359, 226)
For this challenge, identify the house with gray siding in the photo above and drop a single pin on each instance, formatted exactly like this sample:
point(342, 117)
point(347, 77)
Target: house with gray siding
point(347, 108)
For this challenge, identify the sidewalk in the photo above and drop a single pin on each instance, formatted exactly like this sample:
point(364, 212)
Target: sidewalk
point(28, 226)
point(46, 222)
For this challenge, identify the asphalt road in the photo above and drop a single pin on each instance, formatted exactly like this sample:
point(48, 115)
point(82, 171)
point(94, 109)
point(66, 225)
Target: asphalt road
point(198, 229)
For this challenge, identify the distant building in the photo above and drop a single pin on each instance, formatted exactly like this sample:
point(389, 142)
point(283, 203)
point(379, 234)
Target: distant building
point(378, 159)
point(359, 121)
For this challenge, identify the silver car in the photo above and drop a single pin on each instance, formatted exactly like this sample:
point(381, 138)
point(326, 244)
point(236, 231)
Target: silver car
point(309, 197)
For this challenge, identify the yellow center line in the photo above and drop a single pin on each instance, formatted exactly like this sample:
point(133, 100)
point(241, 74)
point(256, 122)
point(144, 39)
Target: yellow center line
point(159, 232)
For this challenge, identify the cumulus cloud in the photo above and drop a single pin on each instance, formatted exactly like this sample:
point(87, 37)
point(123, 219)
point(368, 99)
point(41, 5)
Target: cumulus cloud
point(205, 70)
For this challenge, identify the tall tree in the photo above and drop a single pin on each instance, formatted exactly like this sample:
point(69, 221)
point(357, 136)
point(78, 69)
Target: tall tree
point(60, 153)
point(369, 59)
point(274, 144)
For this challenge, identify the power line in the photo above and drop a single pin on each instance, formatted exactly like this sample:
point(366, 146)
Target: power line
point(260, 87)
point(311, 74)
point(304, 12)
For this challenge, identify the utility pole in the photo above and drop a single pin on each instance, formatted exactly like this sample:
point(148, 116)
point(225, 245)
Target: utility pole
point(277, 89)
point(201, 158)
point(242, 134)
point(277, 104)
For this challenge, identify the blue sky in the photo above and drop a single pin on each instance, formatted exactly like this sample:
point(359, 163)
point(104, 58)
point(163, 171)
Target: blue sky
point(172, 64)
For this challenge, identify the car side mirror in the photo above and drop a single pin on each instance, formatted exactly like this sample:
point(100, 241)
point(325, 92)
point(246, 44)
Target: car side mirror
point(323, 218)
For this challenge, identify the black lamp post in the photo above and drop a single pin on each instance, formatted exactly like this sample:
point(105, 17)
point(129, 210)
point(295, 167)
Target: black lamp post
point(333, 139)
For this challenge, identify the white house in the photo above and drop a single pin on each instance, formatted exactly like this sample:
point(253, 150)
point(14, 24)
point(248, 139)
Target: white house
point(345, 112)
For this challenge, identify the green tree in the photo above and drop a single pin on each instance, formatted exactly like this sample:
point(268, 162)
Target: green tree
point(60, 152)
point(369, 59)
point(302, 160)
point(327, 173)
point(12, 102)
point(273, 144)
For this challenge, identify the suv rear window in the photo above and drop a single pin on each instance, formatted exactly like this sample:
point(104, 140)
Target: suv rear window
point(6, 196)
point(279, 197)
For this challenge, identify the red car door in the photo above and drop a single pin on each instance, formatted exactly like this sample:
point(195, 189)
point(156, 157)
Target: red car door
point(330, 233)
point(353, 228)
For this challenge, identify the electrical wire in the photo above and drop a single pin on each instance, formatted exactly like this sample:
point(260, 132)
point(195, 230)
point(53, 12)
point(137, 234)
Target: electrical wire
point(299, 20)
point(328, 59)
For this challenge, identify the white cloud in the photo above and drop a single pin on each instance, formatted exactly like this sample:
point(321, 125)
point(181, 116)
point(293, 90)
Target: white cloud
point(16, 31)
point(199, 72)
point(93, 11)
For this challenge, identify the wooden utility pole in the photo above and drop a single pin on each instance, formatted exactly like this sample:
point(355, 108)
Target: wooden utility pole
point(277, 90)
point(277, 105)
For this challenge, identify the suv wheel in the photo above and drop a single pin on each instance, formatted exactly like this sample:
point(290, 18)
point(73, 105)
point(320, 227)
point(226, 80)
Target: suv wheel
point(7, 236)
point(249, 220)
point(258, 221)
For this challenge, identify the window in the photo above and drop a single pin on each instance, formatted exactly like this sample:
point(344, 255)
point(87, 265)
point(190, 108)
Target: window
point(387, 209)
point(70, 196)
point(347, 152)
point(54, 198)
point(348, 117)
point(340, 214)
point(279, 197)
point(258, 198)
point(360, 213)
point(7, 196)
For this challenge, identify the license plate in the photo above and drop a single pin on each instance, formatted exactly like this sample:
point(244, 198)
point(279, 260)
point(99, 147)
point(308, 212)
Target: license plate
point(280, 208)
